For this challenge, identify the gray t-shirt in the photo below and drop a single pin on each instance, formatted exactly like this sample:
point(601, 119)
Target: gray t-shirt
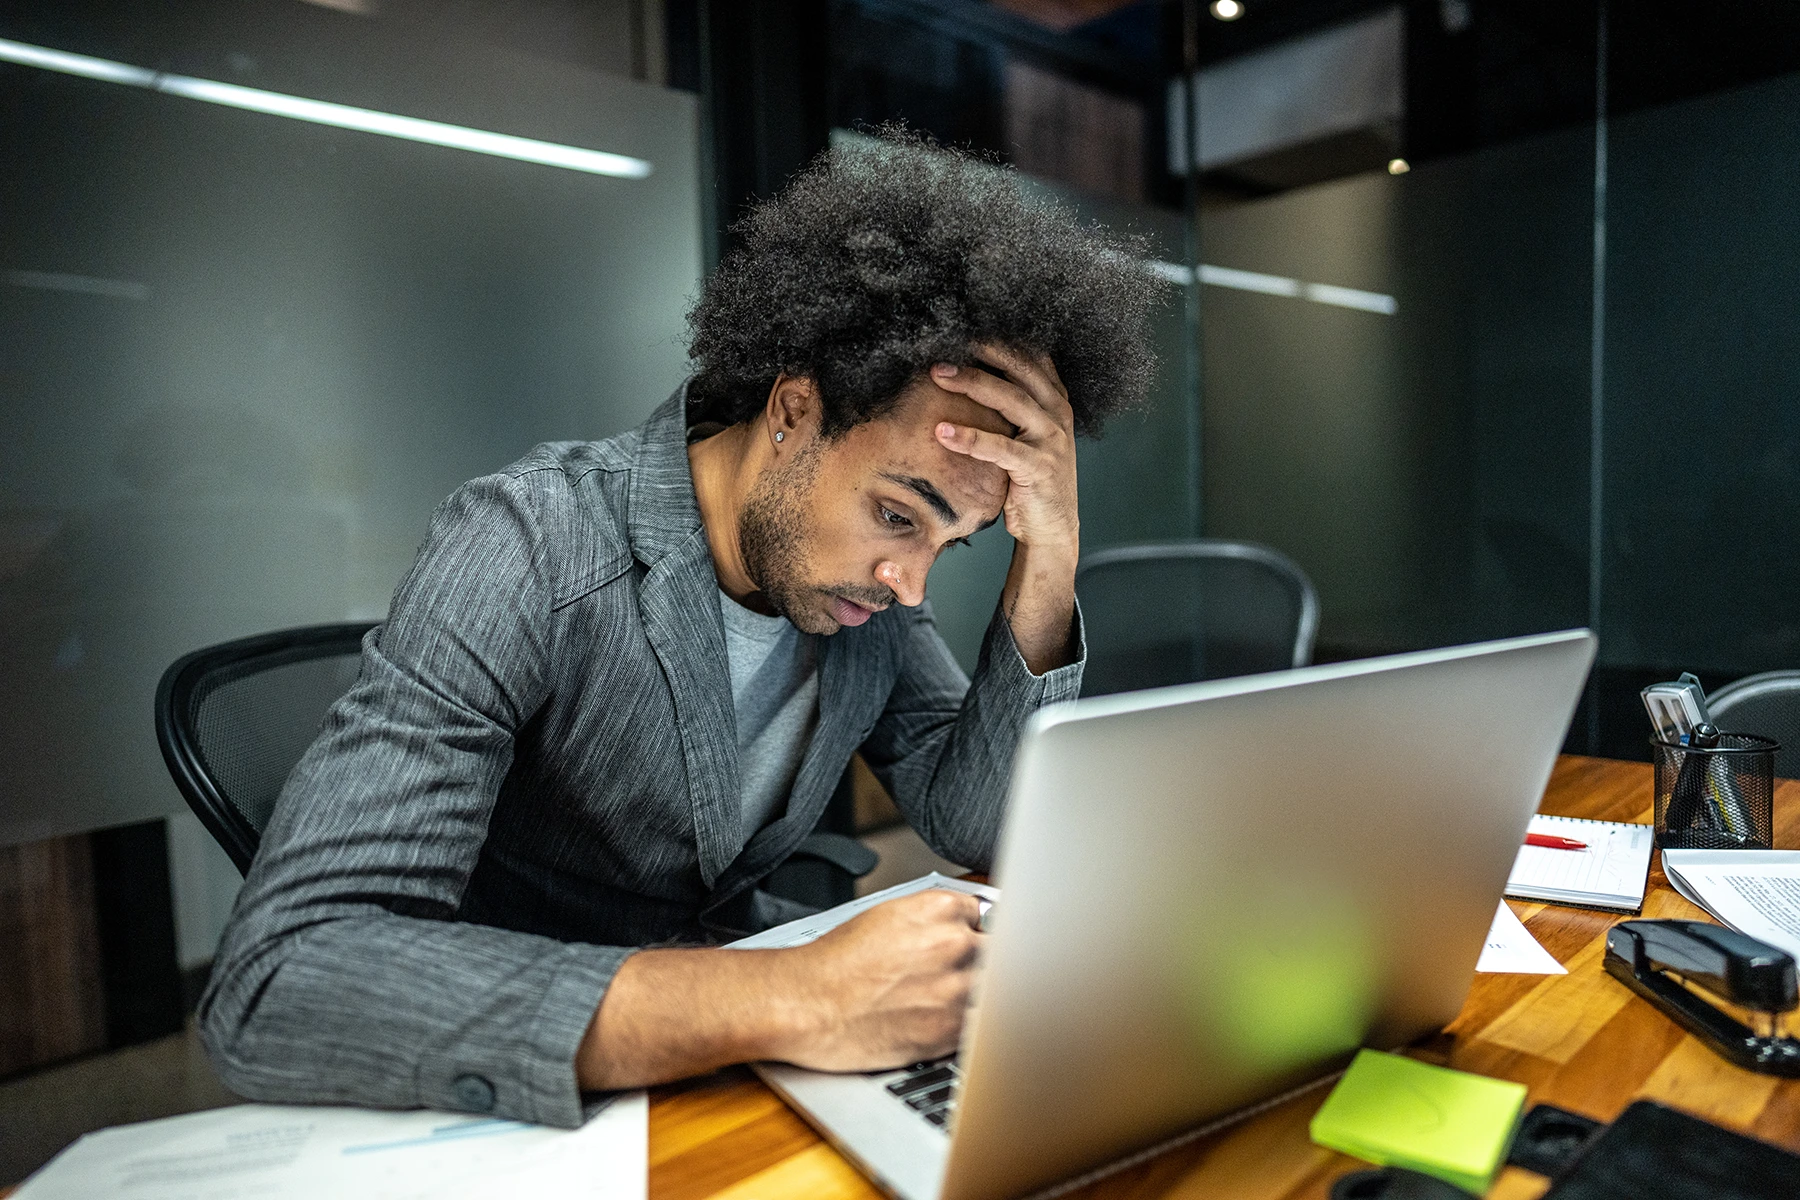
point(775, 690)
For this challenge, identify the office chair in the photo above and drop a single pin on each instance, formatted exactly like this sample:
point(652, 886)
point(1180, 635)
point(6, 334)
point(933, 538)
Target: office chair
point(1178, 612)
point(1768, 704)
point(233, 719)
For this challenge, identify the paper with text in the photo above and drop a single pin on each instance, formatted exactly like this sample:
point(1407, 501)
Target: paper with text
point(304, 1152)
point(1756, 892)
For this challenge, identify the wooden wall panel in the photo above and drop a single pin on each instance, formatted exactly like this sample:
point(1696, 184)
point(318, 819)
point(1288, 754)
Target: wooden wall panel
point(51, 1005)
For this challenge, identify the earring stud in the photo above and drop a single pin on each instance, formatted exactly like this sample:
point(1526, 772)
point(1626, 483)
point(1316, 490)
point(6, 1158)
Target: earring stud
point(779, 435)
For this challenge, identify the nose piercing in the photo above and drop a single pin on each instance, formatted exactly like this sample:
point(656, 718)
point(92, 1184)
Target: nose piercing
point(779, 435)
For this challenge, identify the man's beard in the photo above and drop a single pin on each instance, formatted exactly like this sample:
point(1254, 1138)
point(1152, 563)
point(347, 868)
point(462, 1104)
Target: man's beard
point(772, 536)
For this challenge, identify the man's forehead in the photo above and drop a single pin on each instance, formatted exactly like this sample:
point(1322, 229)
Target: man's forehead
point(906, 452)
point(925, 402)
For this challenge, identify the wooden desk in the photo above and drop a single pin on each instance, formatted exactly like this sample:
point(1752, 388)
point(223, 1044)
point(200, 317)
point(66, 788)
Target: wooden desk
point(1580, 1041)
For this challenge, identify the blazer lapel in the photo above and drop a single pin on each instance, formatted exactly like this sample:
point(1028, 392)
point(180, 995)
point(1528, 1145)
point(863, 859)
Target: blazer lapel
point(678, 600)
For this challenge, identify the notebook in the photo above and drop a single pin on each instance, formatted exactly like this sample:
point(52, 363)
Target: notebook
point(1610, 873)
point(1392, 1110)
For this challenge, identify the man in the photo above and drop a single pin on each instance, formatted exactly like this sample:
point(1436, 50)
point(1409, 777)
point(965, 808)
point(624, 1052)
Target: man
point(618, 685)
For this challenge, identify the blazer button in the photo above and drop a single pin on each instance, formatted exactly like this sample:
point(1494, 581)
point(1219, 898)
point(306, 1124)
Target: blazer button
point(473, 1093)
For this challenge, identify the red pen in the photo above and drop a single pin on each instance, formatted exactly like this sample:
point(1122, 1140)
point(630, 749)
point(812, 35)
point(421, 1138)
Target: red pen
point(1550, 842)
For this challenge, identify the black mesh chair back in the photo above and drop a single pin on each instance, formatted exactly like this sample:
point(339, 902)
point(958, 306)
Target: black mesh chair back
point(1768, 704)
point(1179, 612)
point(234, 719)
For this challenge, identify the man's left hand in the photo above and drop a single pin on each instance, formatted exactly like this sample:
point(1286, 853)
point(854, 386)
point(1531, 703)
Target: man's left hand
point(1042, 509)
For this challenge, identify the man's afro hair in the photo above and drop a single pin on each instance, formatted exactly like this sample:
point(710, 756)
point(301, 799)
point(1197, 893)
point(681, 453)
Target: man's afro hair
point(892, 253)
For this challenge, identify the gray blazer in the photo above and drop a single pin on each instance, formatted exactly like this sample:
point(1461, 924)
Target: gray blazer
point(537, 773)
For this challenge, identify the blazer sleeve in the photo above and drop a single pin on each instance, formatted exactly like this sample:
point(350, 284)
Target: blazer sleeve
point(944, 744)
point(343, 975)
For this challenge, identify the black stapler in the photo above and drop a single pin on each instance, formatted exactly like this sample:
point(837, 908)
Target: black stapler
point(1669, 963)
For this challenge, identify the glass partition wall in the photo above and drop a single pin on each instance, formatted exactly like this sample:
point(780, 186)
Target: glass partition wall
point(243, 355)
point(1583, 406)
point(1484, 315)
point(275, 277)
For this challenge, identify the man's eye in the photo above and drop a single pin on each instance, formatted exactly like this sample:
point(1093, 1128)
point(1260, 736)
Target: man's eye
point(893, 518)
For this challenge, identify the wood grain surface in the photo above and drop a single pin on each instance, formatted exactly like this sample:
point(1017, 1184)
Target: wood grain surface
point(1580, 1041)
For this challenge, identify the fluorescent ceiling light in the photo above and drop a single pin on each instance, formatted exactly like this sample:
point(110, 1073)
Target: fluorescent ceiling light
point(1249, 281)
point(320, 112)
point(1277, 285)
point(1343, 297)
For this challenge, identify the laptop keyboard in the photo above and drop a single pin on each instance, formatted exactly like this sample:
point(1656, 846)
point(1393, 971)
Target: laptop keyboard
point(929, 1089)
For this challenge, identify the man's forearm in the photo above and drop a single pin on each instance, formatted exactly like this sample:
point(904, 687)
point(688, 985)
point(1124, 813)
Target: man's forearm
point(669, 1014)
point(1039, 602)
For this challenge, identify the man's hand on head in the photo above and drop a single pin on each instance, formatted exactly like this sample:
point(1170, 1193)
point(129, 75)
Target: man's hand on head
point(1039, 458)
point(1042, 505)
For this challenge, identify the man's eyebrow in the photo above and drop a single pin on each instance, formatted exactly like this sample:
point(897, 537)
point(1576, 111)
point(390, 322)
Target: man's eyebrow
point(927, 492)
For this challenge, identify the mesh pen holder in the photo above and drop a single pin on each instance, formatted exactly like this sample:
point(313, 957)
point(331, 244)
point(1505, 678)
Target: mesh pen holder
point(1716, 798)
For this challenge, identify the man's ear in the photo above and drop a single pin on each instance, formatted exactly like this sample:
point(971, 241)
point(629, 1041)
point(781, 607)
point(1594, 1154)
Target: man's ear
point(793, 412)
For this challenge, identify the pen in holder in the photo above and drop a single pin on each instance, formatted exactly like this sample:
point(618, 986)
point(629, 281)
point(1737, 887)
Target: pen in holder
point(1716, 792)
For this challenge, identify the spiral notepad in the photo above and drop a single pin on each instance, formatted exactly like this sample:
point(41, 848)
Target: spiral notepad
point(1610, 873)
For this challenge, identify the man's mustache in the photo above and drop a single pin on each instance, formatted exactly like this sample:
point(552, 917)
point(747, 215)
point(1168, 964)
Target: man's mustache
point(868, 597)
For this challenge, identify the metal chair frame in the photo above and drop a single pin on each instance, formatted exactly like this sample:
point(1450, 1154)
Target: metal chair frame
point(1307, 628)
point(1751, 687)
point(176, 710)
point(1755, 687)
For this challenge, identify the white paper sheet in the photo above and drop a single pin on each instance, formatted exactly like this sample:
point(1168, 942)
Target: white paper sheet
point(798, 933)
point(1756, 892)
point(294, 1152)
point(1510, 949)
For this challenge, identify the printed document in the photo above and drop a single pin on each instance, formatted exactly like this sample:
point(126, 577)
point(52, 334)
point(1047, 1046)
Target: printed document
point(305, 1152)
point(1756, 892)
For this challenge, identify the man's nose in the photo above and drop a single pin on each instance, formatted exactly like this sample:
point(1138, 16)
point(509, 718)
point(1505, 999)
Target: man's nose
point(906, 582)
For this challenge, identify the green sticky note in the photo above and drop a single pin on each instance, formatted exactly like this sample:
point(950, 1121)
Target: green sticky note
point(1395, 1111)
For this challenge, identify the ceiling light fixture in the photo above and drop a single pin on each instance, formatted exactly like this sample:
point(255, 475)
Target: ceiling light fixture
point(1398, 166)
point(1227, 10)
point(321, 112)
point(1277, 285)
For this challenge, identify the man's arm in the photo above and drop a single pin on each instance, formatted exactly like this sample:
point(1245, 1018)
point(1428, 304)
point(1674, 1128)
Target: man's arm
point(944, 746)
point(1042, 503)
point(343, 975)
point(884, 989)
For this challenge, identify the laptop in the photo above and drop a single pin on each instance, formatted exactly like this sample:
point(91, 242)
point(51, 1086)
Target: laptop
point(1210, 896)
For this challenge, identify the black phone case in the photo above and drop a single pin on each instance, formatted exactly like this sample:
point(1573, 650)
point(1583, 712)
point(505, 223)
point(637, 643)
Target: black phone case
point(1656, 1153)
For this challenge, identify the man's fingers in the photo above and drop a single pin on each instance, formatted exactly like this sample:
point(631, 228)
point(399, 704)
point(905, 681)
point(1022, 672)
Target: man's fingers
point(1007, 399)
point(960, 907)
point(1006, 453)
point(1035, 373)
point(943, 904)
point(968, 908)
